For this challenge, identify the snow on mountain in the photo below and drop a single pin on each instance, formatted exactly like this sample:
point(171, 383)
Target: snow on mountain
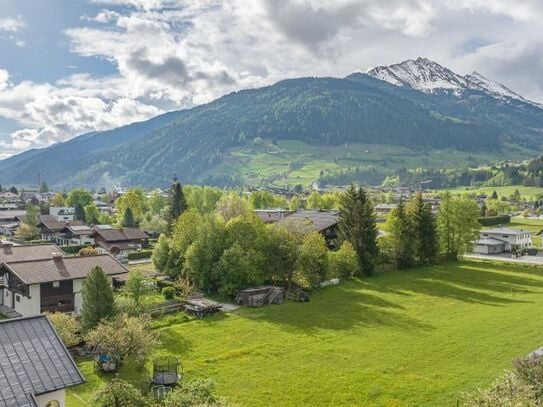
point(421, 74)
point(430, 77)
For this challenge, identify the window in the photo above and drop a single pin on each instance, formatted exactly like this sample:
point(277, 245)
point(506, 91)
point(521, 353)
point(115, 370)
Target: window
point(56, 284)
point(53, 403)
point(17, 298)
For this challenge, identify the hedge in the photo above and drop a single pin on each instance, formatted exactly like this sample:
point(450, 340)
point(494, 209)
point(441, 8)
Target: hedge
point(494, 220)
point(144, 254)
point(73, 249)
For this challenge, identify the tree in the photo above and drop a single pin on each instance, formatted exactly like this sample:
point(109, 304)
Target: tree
point(157, 202)
point(457, 225)
point(135, 200)
point(137, 286)
point(13, 190)
point(79, 212)
point(153, 223)
point(494, 195)
point(314, 200)
point(67, 326)
point(357, 225)
point(92, 214)
point(88, 251)
point(312, 264)
point(44, 187)
point(424, 227)
point(402, 236)
point(189, 393)
point(231, 206)
point(161, 253)
point(128, 218)
point(26, 231)
point(295, 203)
point(123, 336)
point(97, 296)
point(79, 196)
point(281, 250)
point(176, 203)
point(238, 268)
point(118, 393)
point(58, 200)
point(343, 263)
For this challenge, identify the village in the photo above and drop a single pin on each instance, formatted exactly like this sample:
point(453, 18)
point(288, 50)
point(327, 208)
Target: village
point(118, 261)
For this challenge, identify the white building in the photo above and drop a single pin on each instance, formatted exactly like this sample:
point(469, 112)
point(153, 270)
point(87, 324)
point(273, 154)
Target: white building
point(40, 278)
point(501, 240)
point(61, 213)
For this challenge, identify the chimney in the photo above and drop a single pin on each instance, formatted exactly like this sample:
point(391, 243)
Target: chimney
point(57, 256)
point(7, 244)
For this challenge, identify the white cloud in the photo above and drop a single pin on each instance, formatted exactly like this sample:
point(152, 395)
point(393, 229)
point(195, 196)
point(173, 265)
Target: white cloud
point(12, 24)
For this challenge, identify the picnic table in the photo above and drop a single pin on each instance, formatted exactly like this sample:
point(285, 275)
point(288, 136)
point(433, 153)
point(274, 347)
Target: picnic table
point(201, 307)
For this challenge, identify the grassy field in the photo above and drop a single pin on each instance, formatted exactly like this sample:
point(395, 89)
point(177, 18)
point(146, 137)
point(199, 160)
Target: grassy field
point(526, 192)
point(295, 162)
point(416, 338)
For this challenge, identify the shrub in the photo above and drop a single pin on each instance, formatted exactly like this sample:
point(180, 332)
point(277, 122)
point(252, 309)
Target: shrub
point(530, 371)
point(67, 326)
point(494, 220)
point(74, 249)
point(143, 254)
point(506, 391)
point(168, 293)
point(119, 393)
point(88, 251)
point(193, 393)
point(343, 263)
point(126, 305)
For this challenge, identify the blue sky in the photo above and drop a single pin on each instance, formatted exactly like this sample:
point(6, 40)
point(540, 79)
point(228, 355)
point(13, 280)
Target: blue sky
point(68, 67)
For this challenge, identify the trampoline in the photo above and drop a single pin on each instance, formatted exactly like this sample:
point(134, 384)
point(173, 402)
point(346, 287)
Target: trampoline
point(167, 371)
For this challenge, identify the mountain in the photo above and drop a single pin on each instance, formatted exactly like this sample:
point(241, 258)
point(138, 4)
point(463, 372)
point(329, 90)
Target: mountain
point(408, 115)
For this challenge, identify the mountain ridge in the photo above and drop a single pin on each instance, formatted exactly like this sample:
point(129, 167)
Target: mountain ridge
point(206, 144)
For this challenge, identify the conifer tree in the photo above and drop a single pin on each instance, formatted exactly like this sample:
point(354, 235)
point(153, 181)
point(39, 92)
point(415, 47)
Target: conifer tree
point(97, 295)
point(177, 203)
point(358, 226)
point(79, 212)
point(403, 237)
point(128, 218)
point(424, 229)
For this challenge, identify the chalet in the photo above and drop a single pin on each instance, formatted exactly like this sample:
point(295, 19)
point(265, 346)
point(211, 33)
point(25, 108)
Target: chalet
point(36, 367)
point(76, 235)
point(10, 221)
point(40, 278)
point(501, 240)
point(384, 208)
point(119, 241)
point(309, 220)
point(54, 230)
point(8, 196)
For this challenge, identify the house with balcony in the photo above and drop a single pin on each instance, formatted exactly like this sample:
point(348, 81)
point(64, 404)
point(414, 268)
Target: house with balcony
point(501, 240)
point(41, 278)
point(119, 241)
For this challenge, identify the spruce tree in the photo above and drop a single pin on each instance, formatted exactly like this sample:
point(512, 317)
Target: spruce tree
point(424, 229)
point(128, 218)
point(97, 296)
point(177, 203)
point(403, 237)
point(79, 212)
point(357, 225)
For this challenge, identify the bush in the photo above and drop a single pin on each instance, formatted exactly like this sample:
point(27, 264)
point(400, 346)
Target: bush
point(88, 251)
point(506, 391)
point(143, 254)
point(67, 326)
point(494, 220)
point(530, 371)
point(193, 393)
point(168, 293)
point(74, 249)
point(343, 263)
point(119, 393)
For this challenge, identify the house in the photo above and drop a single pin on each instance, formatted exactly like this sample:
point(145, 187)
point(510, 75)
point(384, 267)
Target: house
point(36, 367)
point(271, 215)
point(40, 278)
point(52, 229)
point(307, 220)
point(62, 213)
point(77, 235)
point(119, 241)
point(10, 220)
point(384, 208)
point(501, 240)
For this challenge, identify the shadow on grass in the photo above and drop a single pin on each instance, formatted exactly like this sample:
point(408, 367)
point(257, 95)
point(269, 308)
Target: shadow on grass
point(361, 302)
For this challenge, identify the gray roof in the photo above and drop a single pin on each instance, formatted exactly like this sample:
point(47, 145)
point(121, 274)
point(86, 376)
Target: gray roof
point(315, 219)
point(33, 361)
point(10, 253)
point(489, 241)
point(507, 231)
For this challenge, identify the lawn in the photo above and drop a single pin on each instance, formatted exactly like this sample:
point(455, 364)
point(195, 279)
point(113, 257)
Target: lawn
point(415, 338)
point(529, 193)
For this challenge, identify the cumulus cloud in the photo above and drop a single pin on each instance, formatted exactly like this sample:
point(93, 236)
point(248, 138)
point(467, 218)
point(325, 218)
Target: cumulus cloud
point(172, 54)
point(12, 24)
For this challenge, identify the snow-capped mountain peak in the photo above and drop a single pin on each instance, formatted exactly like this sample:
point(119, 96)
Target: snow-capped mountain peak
point(428, 76)
point(422, 74)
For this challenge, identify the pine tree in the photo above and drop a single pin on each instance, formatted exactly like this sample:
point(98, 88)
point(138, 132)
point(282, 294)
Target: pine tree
point(424, 229)
point(128, 218)
point(177, 203)
point(358, 226)
point(494, 195)
point(79, 212)
point(44, 187)
point(403, 237)
point(97, 296)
